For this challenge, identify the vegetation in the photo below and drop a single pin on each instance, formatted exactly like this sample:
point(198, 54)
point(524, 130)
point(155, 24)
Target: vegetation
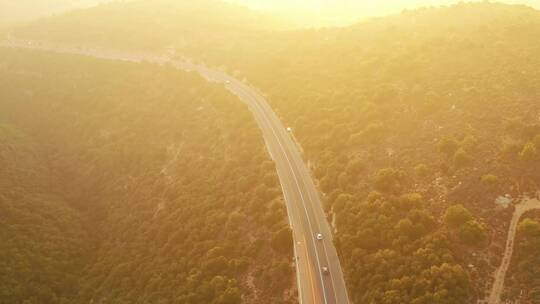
point(133, 183)
point(456, 216)
point(435, 95)
point(401, 118)
point(525, 274)
point(395, 254)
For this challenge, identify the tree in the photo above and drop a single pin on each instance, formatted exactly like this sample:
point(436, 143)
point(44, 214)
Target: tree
point(448, 146)
point(354, 167)
point(528, 153)
point(341, 202)
point(461, 158)
point(469, 142)
point(405, 227)
point(472, 233)
point(230, 296)
point(457, 215)
point(529, 228)
point(536, 140)
point(389, 180)
point(489, 180)
point(282, 241)
point(421, 170)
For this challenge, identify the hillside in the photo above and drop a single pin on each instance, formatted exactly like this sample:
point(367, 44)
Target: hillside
point(525, 274)
point(413, 124)
point(442, 103)
point(156, 24)
point(131, 183)
point(439, 102)
point(14, 12)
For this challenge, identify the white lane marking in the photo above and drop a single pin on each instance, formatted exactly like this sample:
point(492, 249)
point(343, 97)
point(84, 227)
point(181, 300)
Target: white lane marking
point(318, 227)
point(301, 196)
point(286, 194)
point(324, 247)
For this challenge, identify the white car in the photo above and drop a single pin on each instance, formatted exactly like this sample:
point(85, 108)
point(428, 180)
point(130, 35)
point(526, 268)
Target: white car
point(227, 82)
point(289, 129)
point(325, 270)
point(319, 237)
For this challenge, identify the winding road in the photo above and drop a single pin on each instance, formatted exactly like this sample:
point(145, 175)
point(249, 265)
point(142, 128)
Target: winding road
point(527, 204)
point(319, 273)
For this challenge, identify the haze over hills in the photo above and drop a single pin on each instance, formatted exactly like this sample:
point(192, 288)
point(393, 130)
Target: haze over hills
point(129, 183)
point(157, 24)
point(414, 126)
point(346, 12)
point(440, 102)
point(25, 10)
point(298, 13)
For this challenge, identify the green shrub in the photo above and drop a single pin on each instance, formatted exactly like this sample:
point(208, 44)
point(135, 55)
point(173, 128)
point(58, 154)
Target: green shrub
point(457, 215)
point(490, 180)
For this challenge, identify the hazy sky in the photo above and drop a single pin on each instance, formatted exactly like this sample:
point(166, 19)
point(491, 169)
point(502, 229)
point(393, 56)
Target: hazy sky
point(22, 10)
point(346, 11)
point(308, 12)
point(367, 5)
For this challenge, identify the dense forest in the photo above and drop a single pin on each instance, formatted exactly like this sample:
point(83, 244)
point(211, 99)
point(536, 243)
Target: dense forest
point(133, 183)
point(439, 102)
point(413, 125)
point(524, 272)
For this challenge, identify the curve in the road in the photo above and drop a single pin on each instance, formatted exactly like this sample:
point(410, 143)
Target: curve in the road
point(311, 222)
point(304, 207)
point(265, 124)
point(527, 204)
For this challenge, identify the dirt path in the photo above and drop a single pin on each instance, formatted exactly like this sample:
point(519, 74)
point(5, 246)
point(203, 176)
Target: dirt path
point(525, 205)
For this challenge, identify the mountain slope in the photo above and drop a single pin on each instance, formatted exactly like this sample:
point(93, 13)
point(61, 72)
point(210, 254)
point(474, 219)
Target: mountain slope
point(441, 102)
point(130, 182)
point(12, 12)
point(154, 24)
point(414, 124)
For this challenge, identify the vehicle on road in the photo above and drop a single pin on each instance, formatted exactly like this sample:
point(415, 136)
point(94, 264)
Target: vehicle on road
point(325, 270)
point(319, 237)
point(227, 82)
point(289, 129)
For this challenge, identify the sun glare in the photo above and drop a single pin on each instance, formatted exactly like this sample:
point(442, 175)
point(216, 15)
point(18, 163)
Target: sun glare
point(341, 12)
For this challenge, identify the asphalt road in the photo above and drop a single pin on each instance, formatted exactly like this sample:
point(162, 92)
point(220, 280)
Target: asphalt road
point(303, 203)
point(304, 207)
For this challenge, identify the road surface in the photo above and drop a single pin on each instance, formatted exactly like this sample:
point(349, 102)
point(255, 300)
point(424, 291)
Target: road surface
point(306, 216)
point(527, 204)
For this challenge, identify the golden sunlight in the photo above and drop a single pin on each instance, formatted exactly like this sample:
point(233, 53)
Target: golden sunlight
point(343, 12)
